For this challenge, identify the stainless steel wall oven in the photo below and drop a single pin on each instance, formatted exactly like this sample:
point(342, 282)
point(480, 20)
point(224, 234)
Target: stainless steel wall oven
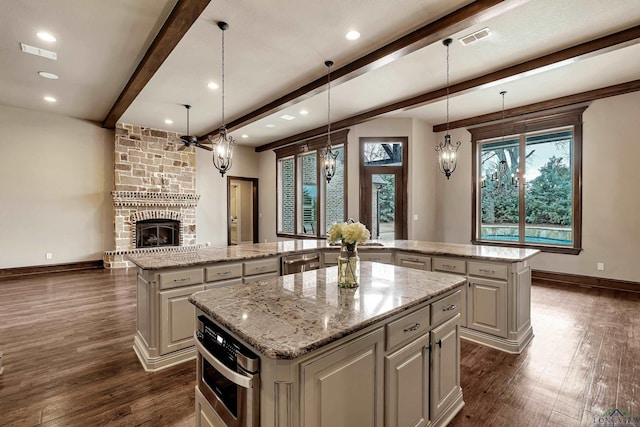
point(228, 375)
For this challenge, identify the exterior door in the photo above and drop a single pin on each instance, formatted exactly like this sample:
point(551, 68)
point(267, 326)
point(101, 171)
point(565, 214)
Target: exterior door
point(383, 187)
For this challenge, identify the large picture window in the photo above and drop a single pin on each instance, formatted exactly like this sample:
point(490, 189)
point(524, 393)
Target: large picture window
point(527, 186)
point(307, 204)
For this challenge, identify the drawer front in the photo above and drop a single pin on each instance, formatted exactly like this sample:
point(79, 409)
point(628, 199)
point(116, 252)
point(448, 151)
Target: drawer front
point(261, 267)
point(330, 258)
point(408, 327)
point(449, 265)
point(177, 279)
point(446, 308)
point(383, 257)
point(492, 271)
point(223, 272)
point(257, 277)
point(221, 283)
point(419, 262)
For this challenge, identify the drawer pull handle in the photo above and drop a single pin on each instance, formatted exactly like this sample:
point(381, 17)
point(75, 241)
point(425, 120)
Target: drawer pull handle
point(224, 273)
point(439, 342)
point(412, 328)
point(184, 279)
point(484, 270)
point(453, 267)
point(451, 307)
point(261, 268)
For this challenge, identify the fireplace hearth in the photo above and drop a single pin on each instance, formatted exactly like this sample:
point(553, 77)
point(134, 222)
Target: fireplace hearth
point(152, 233)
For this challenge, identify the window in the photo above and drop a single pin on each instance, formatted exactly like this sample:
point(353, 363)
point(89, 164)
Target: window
point(527, 184)
point(307, 204)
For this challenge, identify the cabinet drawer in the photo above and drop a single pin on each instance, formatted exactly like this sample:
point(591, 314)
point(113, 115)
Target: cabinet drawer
point(263, 266)
point(177, 279)
point(383, 257)
point(449, 265)
point(420, 262)
point(446, 307)
point(221, 283)
point(257, 277)
point(492, 271)
point(223, 272)
point(330, 258)
point(408, 327)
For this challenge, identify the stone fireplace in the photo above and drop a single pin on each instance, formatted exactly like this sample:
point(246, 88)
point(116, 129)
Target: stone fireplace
point(154, 199)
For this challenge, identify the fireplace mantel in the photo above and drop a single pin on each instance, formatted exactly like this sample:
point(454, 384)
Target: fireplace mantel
point(149, 199)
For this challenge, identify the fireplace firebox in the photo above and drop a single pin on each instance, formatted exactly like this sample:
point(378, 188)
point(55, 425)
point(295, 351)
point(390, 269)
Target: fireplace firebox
point(151, 233)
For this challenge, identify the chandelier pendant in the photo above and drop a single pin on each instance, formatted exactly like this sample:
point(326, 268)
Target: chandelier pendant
point(447, 151)
point(328, 155)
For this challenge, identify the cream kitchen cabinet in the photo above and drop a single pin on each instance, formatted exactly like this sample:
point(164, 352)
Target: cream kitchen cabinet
point(411, 260)
point(407, 385)
point(177, 319)
point(383, 257)
point(445, 367)
point(487, 306)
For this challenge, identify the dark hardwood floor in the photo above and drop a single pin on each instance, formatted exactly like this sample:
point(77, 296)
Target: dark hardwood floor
point(67, 342)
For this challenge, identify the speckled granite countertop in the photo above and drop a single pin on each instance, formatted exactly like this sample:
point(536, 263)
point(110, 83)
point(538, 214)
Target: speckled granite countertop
point(289, 316)
point(287, 247)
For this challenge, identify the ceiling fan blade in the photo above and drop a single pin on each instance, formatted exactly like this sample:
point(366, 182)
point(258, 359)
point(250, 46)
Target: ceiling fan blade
point(204, 147)
point(182, 147)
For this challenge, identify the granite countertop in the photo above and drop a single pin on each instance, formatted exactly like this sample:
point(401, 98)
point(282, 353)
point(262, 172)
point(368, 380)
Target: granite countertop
point(245, 252)
point(289, 316)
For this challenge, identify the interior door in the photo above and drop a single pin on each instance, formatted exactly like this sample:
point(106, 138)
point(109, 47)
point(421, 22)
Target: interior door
point(242, 210)
point(383, 184)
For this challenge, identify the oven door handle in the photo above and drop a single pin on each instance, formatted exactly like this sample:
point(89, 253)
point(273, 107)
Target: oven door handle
point(236, 378)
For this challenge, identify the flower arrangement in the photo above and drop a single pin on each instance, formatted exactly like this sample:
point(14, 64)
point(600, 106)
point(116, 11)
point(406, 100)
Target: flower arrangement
point(349, 233)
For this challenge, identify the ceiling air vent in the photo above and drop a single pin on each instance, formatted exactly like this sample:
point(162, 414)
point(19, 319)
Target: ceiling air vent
point(38, 51)
point(474, 37)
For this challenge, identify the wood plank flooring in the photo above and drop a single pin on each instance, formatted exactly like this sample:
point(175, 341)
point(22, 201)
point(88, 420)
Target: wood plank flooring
point(67, 342)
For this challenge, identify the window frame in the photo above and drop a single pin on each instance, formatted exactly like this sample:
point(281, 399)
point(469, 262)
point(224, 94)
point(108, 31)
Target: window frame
point(338, 138)
point(521, 126)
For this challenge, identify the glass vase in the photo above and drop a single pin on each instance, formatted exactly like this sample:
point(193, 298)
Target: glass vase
point(348, 266)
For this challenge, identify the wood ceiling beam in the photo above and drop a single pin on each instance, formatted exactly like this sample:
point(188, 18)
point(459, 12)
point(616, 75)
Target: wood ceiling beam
point(564, 101)
point(575, 52)
point(182, 17)
point(473, 13)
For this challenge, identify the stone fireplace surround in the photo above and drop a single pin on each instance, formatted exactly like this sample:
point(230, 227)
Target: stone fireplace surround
point(153, 180)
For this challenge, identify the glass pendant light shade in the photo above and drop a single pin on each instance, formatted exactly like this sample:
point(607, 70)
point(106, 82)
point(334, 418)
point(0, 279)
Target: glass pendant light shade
point(328, 155)
point(447, 151)
point(222, 144)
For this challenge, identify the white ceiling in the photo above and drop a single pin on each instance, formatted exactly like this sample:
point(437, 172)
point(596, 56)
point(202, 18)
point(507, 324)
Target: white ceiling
point(275, 47)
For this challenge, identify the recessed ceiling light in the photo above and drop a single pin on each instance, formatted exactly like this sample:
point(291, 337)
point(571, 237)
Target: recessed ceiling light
point(303, 112)
point(50, 99)
point(213, 86)
point(168, 121)
point(245, 136)
point(43, 35)
point(48, 75)
point(287, 117)
point(270, 125)
point(352, 35)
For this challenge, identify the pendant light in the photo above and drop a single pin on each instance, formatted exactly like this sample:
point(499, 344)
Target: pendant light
point(223, 144)
point(501, 175)
point(447, 160)
point(328, 155)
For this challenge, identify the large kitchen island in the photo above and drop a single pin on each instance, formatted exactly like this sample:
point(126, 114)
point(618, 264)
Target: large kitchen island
point(384, 354)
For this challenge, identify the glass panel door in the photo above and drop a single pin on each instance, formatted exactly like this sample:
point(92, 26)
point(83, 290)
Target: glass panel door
point(383, 207)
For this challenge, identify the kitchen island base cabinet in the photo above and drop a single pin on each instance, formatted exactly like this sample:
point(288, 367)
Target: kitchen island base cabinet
point(445, 369)
point(344, 387)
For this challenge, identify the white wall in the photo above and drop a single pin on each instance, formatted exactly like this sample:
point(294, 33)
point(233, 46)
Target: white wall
point(610, 201)
point(56, 178)
point(211, 213)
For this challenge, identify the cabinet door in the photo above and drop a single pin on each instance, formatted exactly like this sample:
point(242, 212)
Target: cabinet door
point(445, 365)
point(407, 385)
point(177, 319)
point(487, 306)
point(344, 387)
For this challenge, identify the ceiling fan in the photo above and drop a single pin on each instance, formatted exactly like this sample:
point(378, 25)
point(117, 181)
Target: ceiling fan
point(189, 140)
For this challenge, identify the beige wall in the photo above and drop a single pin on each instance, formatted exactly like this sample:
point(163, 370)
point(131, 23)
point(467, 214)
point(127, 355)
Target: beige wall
point(611, 222)
point(56, 178)
point(211, 214)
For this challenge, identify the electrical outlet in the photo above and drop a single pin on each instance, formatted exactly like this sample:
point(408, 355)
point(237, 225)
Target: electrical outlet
point(600, 266)
point(415, 217)
point(48, 255)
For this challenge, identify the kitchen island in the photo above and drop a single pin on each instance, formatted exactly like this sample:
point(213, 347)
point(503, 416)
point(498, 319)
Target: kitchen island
point(385, 353)
point(495, 303)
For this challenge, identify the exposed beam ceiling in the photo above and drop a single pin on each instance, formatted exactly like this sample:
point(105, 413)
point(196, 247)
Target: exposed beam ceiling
point(473, 13)
point(580, 51)
point(182, 17)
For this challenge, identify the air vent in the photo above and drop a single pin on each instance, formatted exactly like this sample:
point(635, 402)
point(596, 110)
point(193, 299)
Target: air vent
point(474, 37)
point(38, 51)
